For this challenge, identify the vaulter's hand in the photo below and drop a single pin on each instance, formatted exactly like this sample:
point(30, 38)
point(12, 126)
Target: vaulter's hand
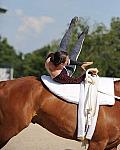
point(93, 71)
point(86, 64)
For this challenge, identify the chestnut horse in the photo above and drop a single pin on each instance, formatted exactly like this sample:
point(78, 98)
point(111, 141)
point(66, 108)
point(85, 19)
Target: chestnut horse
point(26, 100)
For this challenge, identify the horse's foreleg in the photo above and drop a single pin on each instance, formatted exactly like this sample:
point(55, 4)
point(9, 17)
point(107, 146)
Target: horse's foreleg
point(7, 131)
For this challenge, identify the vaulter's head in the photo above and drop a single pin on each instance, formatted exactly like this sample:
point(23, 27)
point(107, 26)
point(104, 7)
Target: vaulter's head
point(60, 58)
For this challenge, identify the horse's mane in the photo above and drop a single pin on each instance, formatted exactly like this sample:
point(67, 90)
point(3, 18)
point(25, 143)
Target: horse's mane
point(4, 83)
point(26, 78)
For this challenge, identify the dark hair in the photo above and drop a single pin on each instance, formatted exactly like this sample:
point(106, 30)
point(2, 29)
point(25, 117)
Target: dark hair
point(58, 57)
point(49, 55)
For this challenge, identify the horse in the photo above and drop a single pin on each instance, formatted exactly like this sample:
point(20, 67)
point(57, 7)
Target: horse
point(25, 100)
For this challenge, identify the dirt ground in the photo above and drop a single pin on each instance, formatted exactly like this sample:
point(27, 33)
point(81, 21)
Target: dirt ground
point(37, 138)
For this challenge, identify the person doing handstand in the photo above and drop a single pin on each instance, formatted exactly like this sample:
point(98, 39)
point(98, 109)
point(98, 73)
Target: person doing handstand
point(61, 66)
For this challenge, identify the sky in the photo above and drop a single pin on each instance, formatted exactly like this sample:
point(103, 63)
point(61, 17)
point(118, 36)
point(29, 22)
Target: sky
point(31, 24)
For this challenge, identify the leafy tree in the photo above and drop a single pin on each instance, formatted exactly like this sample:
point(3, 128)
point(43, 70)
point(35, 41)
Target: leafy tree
point(8, 56)
point(34, 62)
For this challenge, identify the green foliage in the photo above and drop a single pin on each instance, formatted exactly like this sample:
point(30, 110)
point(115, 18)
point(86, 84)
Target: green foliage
point(101, 45)
point(34, 62)
point(8, 57)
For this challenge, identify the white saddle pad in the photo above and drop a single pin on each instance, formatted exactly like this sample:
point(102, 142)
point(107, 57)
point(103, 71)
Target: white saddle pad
point(71, 92)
